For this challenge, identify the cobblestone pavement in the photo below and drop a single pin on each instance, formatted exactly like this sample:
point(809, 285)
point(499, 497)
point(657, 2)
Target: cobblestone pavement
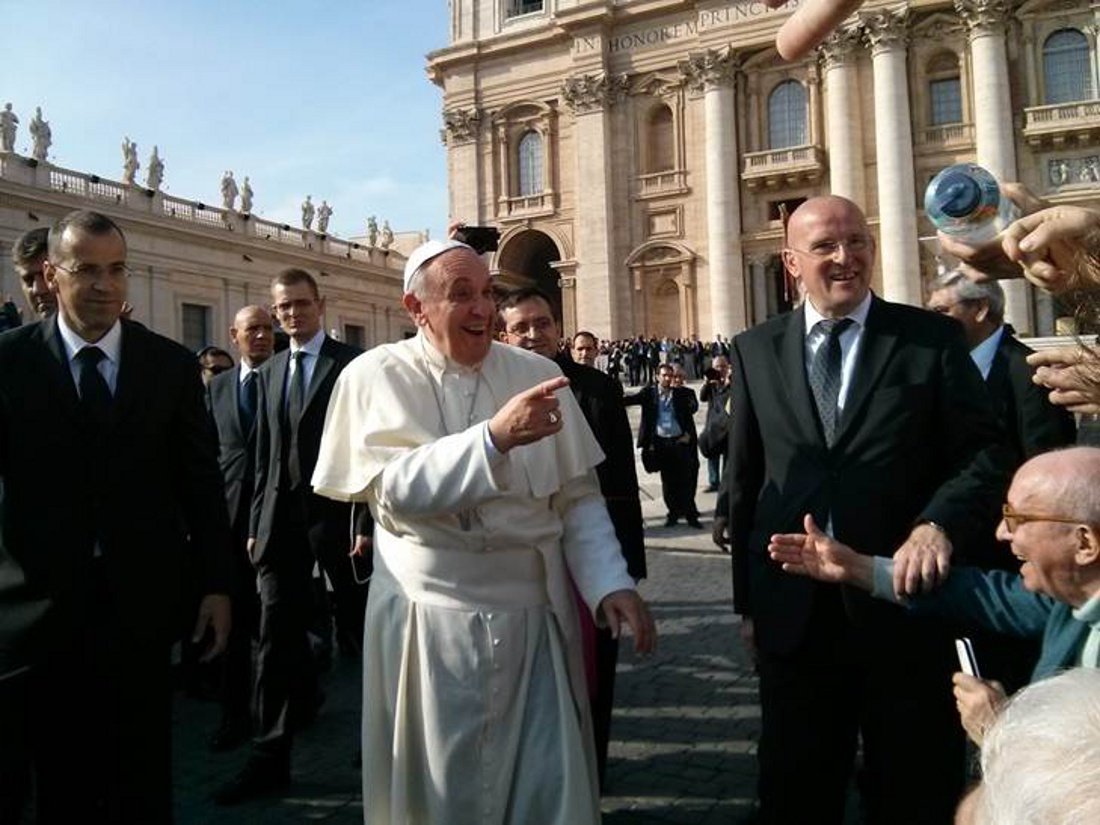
point(683, 733)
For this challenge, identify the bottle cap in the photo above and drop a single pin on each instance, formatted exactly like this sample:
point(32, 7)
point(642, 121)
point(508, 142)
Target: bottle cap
point(958, 195)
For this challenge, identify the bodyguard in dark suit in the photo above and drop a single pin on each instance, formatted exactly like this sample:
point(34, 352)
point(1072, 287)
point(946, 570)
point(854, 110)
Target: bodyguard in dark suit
point(871, 417)
point(232, 399)
point(110, 498)
point(527, 319)
point(290, 528)
point(1032, 424)
point(668, 426)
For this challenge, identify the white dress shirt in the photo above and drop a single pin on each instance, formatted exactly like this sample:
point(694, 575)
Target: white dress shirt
point(850, 340)
point(983, 354)
point(311, 349)
point(110, 344)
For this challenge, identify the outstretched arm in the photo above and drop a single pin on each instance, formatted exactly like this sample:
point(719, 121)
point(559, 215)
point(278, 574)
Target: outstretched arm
point(818, 556)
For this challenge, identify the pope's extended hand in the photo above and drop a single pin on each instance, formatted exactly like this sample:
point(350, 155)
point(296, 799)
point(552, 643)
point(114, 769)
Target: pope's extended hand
point(529, 416)
point(627, 606)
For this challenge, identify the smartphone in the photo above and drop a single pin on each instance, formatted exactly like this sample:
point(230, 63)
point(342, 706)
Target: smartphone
point(481, 239)
point(967, 660)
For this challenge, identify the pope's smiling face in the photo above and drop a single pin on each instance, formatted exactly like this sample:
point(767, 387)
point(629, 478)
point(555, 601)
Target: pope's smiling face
point(455, 306)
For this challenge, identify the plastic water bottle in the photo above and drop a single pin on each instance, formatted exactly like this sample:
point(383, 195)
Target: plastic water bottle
point(965, 202)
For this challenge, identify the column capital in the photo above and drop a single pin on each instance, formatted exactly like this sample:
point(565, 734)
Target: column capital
point(460, 126)
point(886, 30)
point(593, 92)
point(709, 69)
point(983, 16)
point(841, 48)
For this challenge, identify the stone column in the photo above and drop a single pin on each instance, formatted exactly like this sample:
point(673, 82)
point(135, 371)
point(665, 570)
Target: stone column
point(842, 115)
point(590, 96)
point(460, 135)
point(985, 21)
point(886, 33)
point(713, 73)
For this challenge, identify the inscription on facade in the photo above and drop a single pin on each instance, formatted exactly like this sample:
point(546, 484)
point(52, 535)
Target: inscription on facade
point(703, 20)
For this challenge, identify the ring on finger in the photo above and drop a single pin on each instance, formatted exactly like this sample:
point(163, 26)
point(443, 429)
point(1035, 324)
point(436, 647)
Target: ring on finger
point(553, 417)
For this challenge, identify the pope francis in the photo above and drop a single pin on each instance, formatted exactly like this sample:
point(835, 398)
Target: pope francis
point(479, 471)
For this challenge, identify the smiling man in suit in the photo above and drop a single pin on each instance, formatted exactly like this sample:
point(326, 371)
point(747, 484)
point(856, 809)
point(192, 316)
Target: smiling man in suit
point(232, 397)
point(870, 416)
point(290, 528)
point(109, 494)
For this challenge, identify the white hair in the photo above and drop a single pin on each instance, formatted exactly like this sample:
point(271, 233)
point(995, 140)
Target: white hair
point(1041, 758)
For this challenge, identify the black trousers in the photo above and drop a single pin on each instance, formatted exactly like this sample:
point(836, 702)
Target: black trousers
point(235, 687)
point(679, 476)
point(285, 679)
point(844, 684)
point(85, 737)
point(607, 657)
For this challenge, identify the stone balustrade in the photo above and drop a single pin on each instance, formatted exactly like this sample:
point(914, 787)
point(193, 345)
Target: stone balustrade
point(1063, 123)
point(659, 184)
point(789, 166)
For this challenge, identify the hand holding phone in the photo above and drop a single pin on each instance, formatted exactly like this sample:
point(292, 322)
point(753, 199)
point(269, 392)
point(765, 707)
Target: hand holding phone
point(967, 661)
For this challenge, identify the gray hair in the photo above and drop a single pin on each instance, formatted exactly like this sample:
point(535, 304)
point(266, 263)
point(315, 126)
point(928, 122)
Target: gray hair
point(1041, 758)
point(968, 290)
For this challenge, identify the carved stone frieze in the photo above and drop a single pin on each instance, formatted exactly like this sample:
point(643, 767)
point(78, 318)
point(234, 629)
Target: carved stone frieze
point(842, 47)
point(983, 16)
point(593, 92)
point(460, 125)
point(886, 30)
point(706, 70)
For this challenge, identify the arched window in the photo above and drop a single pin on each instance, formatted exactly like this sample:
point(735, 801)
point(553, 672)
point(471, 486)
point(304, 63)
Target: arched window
point(1067, 75)
point(944, 90)
point(660, 144)
point(530, 164)
point(787, 115)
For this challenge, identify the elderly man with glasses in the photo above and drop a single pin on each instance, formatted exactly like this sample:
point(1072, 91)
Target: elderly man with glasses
point(1052, 521)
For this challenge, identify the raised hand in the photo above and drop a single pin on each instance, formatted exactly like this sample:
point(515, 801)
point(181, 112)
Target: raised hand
point(1072, 374)
point(529, 416)
point(812, 23)
point(922, 562)
point(813, 554)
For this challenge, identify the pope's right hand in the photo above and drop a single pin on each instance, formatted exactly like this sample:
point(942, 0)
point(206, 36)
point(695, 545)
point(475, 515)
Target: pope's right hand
point(529, 416)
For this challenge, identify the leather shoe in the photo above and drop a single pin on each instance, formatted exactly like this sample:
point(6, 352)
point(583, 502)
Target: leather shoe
point(694, 522)
point(711, 488)
point(259, 777)
point(231, 733)
point(670, 521)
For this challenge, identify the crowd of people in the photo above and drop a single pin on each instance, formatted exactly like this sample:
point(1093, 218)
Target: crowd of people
point(888, 477)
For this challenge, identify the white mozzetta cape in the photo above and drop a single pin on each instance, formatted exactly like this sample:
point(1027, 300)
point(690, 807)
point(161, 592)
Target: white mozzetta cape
point(474, 710)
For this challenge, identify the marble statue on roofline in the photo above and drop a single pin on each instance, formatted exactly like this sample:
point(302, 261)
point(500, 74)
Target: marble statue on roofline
point(324, 212)
point(8, 124)
point(246, 196)
point(372, 232)
point(308, 212)
point(41, 136)
point(155, 173)
point(387, 236)
point(129, 161)
point(229, 191)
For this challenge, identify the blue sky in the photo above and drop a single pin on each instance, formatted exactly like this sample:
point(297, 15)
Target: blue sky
point(326, 98)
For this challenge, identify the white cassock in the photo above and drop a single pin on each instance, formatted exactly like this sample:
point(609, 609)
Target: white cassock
point(474, 704)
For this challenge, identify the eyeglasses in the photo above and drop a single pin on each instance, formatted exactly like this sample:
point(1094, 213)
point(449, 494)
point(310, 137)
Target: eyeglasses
point(1014, 520)
point(92, 272)
point(828, 249)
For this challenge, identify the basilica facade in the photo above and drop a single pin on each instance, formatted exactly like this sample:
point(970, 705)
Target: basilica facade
point(638, 155)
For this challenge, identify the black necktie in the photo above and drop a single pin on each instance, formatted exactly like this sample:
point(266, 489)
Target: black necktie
point(296, 394)
point(247, 402)
point(825, 374)
point(95, 395)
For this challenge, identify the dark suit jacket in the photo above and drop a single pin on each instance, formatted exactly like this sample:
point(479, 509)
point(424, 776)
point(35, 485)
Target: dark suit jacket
point(917, 440)
point(237, 448)
point(601, 402)
point(684, 405)
point(137, 490)
point(1033, 425)
point(327, 520)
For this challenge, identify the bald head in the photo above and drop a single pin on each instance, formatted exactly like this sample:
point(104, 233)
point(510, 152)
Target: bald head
point(252, 334)
point(1065, 481)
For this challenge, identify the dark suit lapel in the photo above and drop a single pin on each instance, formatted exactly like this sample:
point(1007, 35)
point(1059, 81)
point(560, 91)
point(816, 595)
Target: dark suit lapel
point(790, 345)
point(232, 395)
point(878, 344)
point(133, 361)
point(276, 387)
point(59, 372)
point(326, 363)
